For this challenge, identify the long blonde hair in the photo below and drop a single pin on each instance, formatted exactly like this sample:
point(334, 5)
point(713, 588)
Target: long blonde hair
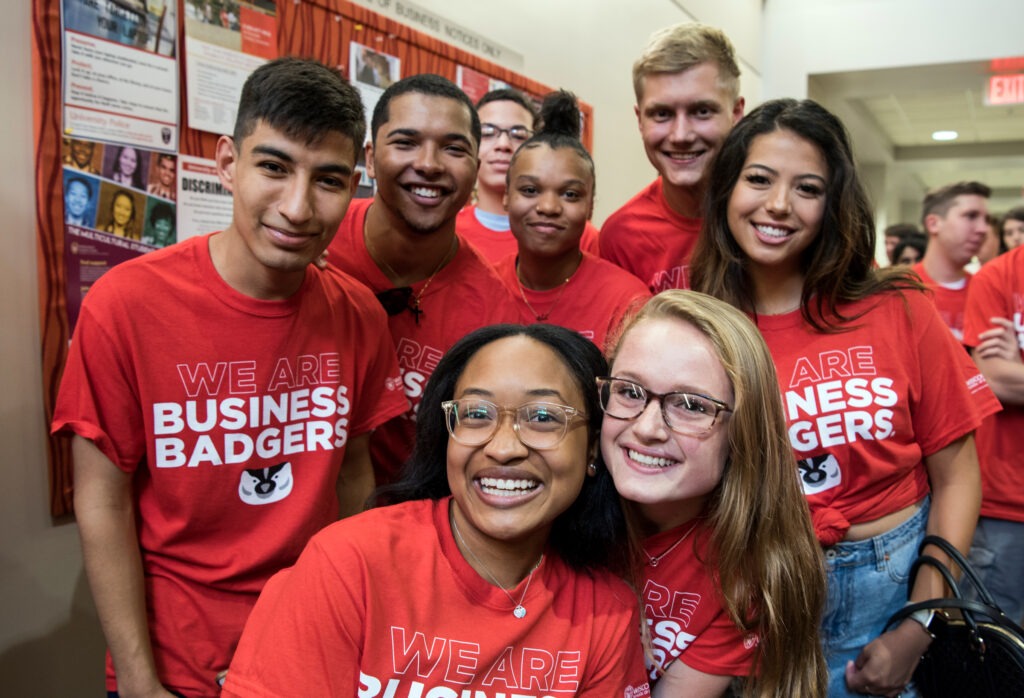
point(764, 555)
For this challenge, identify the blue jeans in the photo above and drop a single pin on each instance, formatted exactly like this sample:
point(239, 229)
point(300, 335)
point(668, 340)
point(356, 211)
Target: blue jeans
point(997, 554)
point(867, 583)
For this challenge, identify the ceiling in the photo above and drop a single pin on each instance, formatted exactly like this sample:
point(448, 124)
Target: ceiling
point(891, 114)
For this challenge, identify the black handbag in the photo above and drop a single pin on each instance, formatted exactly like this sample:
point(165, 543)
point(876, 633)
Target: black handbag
point(977, 650)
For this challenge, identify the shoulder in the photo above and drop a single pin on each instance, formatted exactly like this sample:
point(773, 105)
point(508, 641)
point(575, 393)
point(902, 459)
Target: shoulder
point(175, 264)
point(381, 534)
point(639, 203)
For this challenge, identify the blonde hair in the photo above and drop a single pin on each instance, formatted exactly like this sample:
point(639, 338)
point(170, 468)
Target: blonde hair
point(764, 554)
point(681, 47)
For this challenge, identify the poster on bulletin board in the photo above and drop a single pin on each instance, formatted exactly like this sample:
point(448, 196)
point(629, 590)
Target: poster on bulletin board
point(120, 72)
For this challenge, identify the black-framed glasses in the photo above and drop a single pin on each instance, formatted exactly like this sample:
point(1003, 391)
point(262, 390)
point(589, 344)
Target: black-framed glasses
point(691, 414)
point(539, 425)
point(518, 134)
point(396, 300)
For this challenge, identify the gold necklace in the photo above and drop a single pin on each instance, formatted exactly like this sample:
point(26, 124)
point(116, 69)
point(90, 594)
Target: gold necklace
point(653, 560)
point(414, 305)
point(519, 611)
point(522, 292)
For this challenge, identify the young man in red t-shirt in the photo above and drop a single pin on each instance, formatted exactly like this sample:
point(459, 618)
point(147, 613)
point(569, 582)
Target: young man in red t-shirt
point(220, 410)
point(402, 243)
point(994, 330)
point(955, 220)
point(687, 100)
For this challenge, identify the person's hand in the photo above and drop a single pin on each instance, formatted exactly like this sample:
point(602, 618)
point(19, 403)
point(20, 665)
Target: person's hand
point(886, 664)
point(999, 342)
point(321, 261)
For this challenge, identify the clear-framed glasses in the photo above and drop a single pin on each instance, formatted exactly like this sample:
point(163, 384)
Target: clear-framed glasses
point(539, 425)
point(518, 134)
point(685, 413)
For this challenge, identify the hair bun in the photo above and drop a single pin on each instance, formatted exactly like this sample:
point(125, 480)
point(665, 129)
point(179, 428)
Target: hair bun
point(560, 114)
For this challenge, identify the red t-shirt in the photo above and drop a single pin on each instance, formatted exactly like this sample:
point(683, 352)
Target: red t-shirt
point(383, 604)
point(864, 407)
point(463, 296)
point(949, 302)
point(684, 612)
point(233, 414)
point(650, 240)
point(998, 291)
point(596, 299)
point(495, 245)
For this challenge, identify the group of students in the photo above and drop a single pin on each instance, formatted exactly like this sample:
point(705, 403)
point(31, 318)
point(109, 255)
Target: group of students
point(551, 519)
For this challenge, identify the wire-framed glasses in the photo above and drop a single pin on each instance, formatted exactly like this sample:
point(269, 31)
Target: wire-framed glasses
point(518, 134)
point(539, 425)
point(685, 413)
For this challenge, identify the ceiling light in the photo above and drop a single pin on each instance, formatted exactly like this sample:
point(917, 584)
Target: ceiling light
point(945, 135)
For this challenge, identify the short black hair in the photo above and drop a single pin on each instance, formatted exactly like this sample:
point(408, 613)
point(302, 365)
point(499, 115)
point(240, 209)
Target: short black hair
point(510, 94)
point(426, 84)
point(591, 533)
point(162, 210)
point(302, 98)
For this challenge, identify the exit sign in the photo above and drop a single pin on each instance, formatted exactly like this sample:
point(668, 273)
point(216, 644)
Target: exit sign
point(1006, 89)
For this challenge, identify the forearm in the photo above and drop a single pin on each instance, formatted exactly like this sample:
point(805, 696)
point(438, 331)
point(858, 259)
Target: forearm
point(356, 480)
point(956, 501)
point(1006, 378)
point(113, 566)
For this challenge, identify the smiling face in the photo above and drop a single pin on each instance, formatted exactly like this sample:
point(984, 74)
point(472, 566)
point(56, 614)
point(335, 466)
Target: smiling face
point(81, 153)
point(684, 118)
point(165, 170)
point(669, 475)
point(76, 199)
point(289, 198)
point(424, 161)
point(496, 151)
point(778, 202)
point(127, 161)
point(503, 490)
point(549, 200)
point(122, 209)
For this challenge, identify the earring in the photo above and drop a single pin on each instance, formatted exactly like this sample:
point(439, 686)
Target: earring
point(592, 469)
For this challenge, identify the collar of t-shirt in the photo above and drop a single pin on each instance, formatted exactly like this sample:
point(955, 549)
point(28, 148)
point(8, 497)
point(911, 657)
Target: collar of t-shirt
point(498, 222)
point(955, 285)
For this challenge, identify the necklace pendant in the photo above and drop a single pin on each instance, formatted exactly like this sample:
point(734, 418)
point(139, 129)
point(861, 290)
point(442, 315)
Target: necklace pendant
point(653, 562)
point(519, 611)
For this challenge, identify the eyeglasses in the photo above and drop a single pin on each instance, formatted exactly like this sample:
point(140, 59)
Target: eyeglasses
point(539, 425)
point(518, 134)
point(684, 413)
point(396, 300)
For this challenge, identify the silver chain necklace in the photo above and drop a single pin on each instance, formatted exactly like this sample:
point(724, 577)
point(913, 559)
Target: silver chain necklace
point(653, 560)
point(519, 611)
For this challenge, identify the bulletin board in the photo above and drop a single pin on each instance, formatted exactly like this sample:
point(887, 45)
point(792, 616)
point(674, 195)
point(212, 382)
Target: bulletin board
point(324, 29)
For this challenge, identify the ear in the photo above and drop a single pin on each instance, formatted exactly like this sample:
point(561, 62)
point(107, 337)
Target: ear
point(353, 184)
point(636, 110)
point(368, 151)
point(226, 157)
point(932, 223)
point(504, 200)
point(737, 110)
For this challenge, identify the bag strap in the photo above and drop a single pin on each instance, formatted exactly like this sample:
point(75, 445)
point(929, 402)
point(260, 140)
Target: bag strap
point(929, 561)
point(961, 561)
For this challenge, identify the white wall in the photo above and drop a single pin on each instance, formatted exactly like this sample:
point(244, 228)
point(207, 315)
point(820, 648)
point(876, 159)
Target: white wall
point(50, 644)
point(588, 46)
point(803, 38)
